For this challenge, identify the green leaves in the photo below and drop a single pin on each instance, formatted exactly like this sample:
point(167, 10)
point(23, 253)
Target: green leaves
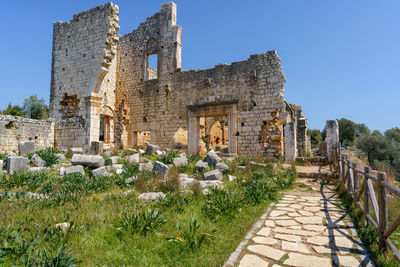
point(142, 222)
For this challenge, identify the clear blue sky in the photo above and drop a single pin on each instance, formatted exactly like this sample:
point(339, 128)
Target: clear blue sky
point(341, 58)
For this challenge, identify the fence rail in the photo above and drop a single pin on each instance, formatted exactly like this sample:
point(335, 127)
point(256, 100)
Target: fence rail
point(350, 176)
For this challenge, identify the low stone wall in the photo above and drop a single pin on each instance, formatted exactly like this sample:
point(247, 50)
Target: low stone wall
point(17, 129)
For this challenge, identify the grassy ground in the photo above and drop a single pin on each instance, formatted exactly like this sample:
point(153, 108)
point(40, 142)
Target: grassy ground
point(108, 227)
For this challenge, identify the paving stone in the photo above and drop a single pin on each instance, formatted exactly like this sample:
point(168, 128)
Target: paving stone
point(269, 223)
point(309, 220)
point(294, 232)
point(296, 206)
point(281, 218)
point(285, 209)
point(322, 249)
point(276, 213)
point(295, 227)
point(264, 231)
point(265, 240)
point(314, 227)
point(276, 265)
point(282, 205)
point(251, 261)
point(286, 222)
point(295, 246)
point(293, 238)
point(293, 214)
point(348, 261)
point(305, 213)
point(311, 198)
point(318, 240)
point(290, 196)
point(341, 241)
point(267, 251)
point(296, 259)
point(312, 209)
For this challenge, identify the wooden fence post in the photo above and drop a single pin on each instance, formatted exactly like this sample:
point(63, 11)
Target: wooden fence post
point(366, 194)
point(383, 210)
point(355, 176)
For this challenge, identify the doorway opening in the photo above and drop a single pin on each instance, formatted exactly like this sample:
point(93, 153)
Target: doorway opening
point(104, 129)
point(151, 66)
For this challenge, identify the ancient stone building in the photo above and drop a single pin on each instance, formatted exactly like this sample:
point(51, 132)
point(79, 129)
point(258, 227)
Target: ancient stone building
point(103, 87)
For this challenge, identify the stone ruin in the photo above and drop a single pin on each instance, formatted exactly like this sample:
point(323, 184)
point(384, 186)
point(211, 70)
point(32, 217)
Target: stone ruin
point(103, 88)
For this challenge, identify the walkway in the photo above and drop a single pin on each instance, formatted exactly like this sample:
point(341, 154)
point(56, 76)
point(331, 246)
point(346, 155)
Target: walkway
point(307, 227)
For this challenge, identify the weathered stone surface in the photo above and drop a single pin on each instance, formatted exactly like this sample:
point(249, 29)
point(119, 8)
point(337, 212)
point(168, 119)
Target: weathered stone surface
point(149, 196)
point(26, 147)
point(38, 161)
point(323, 249)
point(309, 220)
point(264, 231)
point(132, 159)
point(96, 147)
point(296, 259)
point(269, 223)
point(185, 182)
point(99, 171)
point(252, 261)
point(151, 149)
point(62, 171)
point(75, 169)
point(212, 158)
point(295, 246)
point(180, 161)
point(313, 227)
point(267, 251)
point(276, 213)
point(14, 164)
point(348, 261)
point(77, 150)
point(305, 213)
point(161, 168)
point(222, 167)
point(38, 169)
point(232, 178)
point(63, 226)
point(213, 175)
point(60, 156)
point(318, 240)
point(93, 161)
point(285, 222)
point(265, 240)
point(295, 232)
point(200, 165)
point(145, 166)
point(114, 159)
point(293, 238)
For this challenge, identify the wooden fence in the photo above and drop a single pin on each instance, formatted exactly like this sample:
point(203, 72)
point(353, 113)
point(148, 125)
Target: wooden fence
point(364, 197)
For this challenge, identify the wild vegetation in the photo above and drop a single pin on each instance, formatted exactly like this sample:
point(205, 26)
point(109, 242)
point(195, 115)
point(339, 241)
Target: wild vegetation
point(33, 108)
point(49, 220)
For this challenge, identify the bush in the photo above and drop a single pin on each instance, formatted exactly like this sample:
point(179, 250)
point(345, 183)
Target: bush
point(169, 158)
point(220, 203)
point(142, 222)
point(174, 202)
point(48, 155)
point(257, 191)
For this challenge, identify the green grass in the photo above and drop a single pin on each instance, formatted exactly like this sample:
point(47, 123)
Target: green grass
point(109, 228)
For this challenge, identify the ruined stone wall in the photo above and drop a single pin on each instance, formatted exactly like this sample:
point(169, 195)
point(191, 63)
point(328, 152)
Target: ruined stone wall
point(16, 129)
point(255, 86)
point(303, 140)
point(83, 73)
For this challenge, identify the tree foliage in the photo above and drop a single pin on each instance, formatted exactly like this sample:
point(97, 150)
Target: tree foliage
point(14, 110)
point(315, 137)
point(35, 108)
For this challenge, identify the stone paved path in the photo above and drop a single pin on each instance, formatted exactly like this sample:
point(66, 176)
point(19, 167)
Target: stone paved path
point(307, 227)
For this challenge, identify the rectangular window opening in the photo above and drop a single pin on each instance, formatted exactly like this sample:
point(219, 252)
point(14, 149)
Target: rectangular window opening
point(151, 66)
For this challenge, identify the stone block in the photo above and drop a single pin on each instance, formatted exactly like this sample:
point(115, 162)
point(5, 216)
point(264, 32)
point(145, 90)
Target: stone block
point(180, 161)
point(161, 168)
point(149, 196)
point(96, 148)
point(213, 175)
point(201, 165)
point(60, 156)
point(222, 167)
point(133, 159)
point(145, 166)
point(14, 164)
point(26, 147)
point(38, 161)
point(151, 149)
point(93, 161)
point(212, 158)
point(99, 171)
point(75, 169)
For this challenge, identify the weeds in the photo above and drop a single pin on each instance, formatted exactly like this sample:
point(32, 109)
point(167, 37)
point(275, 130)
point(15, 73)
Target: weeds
point(48, 155)
point(220, 203)
point(191, 238)
point(168, 158)
point(142, 222)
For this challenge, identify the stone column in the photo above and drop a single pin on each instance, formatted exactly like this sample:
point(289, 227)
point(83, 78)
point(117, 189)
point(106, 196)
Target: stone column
point(193, 134)
point(290, 142)
point(332, 138)
point(302, 136)
point(232, 129)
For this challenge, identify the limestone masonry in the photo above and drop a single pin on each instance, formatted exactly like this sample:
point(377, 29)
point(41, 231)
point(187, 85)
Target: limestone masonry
point(103, 87)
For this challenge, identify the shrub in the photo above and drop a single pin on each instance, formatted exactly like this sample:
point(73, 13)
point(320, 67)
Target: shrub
point(142, 222)
point(62, 258)
point(220, 203)
point(174, 202)
point(191, 238)
point(258, 191)
point(169, 158)
point(48, 155)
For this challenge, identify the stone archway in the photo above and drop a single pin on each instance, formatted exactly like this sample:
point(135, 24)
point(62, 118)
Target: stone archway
point(226, 110)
